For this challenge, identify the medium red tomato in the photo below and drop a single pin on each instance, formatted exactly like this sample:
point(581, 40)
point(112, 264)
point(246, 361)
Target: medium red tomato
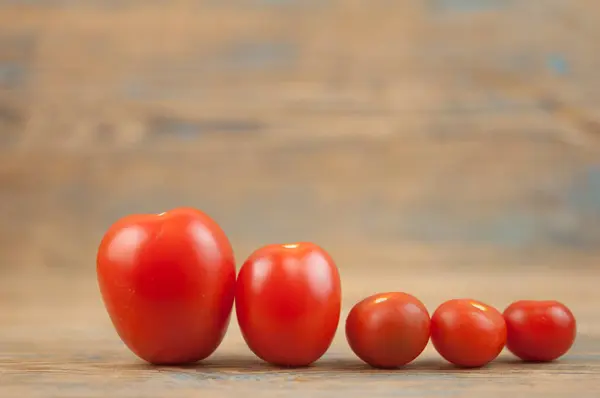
point(168, 284)
point(388, 330)
point(288, 303)
point(468, 333)
point(539, 331)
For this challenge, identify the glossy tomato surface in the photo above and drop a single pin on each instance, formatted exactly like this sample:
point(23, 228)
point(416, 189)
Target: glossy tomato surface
point(168, 284)
point(288, 302)
point(468, 333)
point(388, 330)
point(539, 330)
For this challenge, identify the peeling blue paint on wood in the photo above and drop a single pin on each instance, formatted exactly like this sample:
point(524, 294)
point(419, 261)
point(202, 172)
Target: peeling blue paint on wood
point(466, 6)
point(512, 229)
point(102, 4)
point(144, 88)
point(190, 129)
point(13, 75)
point(18, 46)
point(16, 53)
point(558, 64)
point(258, 55)
point(569, 217)
point(583, 194)
point(270, 3)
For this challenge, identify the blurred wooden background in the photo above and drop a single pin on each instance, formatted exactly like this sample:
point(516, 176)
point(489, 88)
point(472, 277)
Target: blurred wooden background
point(443, 147)
point(444, 132)
point(470, 124)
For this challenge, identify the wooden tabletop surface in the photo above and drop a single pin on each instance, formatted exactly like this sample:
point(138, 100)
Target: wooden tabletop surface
point(59, 342)
point(446, 148)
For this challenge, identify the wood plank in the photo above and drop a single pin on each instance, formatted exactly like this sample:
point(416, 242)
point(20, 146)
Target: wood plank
point(67, 347)
point(427, 68)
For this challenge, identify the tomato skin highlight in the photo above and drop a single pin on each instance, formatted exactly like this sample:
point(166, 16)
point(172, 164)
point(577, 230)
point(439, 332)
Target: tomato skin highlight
point(288, 303)
point(539, 331)
point(388, 330)
point(168, 284)
point(468, 333)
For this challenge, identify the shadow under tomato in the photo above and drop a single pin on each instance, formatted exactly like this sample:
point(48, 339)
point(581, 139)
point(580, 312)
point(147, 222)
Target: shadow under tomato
point(512, 362)
point(247, 364)
point(252, 365)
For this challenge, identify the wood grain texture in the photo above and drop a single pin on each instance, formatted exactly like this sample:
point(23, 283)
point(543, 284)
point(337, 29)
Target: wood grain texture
point(152, 74)
point(447, 148)
point(443, 122)
point(66, 346)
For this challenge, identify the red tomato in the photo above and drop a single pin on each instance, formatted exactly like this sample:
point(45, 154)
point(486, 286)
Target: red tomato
point(168, 284)
point(468, 333)
point(388, 330)
point(539, 330)
point(288, 302)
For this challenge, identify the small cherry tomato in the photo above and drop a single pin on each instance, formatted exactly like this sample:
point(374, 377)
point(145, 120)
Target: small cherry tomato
point(388, 330)
point(539, 331)
point(168, 284)
point(468, 333)
point(288, 303)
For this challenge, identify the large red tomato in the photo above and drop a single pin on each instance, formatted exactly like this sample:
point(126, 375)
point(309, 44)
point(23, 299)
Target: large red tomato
point(288, 302)
point(168, 284)
point(539, 330)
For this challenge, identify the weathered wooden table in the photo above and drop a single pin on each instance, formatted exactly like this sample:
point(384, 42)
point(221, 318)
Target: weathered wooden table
point(447, 148)
point(58, 342)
